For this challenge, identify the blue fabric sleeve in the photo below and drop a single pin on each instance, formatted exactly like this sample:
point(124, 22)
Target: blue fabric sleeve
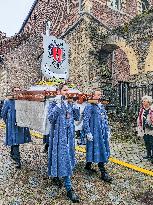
point(86, 119)
point(53, 112)
point(106, 128)
point(5, 110)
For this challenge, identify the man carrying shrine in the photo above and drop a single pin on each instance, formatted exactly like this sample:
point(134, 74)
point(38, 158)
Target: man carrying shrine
point(15, 135)
point(96, 129)
point(61, 156)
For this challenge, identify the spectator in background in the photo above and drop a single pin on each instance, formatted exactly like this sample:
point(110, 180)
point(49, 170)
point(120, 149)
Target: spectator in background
point(79, 124)
point(145, 125)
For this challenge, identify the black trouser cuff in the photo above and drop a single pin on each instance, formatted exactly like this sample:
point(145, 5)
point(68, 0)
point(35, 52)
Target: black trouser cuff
point(101, 166)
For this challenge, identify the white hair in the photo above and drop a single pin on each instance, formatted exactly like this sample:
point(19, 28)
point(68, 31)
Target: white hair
point(149, 98)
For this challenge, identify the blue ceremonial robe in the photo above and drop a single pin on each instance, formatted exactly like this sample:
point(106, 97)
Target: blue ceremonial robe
point(14, 135)
point(95, 122)
point(61, 155)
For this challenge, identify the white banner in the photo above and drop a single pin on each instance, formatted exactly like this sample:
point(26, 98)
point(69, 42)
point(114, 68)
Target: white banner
point(33, 114)
point(55, 58)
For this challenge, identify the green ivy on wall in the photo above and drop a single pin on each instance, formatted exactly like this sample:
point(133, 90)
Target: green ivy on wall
point(105, 71)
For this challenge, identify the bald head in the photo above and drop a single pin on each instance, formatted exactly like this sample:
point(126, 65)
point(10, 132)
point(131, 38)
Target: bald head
point(97, 95)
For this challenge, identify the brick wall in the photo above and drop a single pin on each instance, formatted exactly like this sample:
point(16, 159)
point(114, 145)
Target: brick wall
point(61, 13)
point(111, 17)
point(80, 45)
point(121, 69)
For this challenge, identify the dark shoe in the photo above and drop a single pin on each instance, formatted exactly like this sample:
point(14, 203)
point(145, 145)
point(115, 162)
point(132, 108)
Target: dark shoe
point(46, 148)
point(90, 170)
point(105, 177)
point(72, 196)
point(12, 157)
point(57, 182)
point(18, 165)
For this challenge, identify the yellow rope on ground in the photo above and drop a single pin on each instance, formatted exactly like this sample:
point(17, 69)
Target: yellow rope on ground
point(82, 149)
point(116, 161)
point(37, 135)
point(131, 166)
point(2, 125)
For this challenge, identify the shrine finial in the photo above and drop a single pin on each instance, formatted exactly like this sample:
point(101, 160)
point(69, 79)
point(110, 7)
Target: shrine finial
point(48, 25)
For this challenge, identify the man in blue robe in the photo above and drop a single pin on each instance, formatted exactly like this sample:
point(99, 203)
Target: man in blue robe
point(15, 135)
point(96, 129)
point(61, 154)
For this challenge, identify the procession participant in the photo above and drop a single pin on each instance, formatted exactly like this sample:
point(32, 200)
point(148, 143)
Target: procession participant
point(79, 125)
point(15, 135)
point(61, 156)
point(145, 125)
point(96, 129)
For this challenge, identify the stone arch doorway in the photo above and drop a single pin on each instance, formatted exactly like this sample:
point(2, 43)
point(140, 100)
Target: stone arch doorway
point(122, 61)
point(114, 59)
point(115, 43)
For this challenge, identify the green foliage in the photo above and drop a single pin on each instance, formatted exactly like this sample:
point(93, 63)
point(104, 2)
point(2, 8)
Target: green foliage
point(105, 71)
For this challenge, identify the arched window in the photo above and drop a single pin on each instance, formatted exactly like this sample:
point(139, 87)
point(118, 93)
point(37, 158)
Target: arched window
point(144, 5)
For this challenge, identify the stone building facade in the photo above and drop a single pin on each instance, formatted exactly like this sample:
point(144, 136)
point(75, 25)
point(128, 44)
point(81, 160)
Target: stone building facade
point(83, 24)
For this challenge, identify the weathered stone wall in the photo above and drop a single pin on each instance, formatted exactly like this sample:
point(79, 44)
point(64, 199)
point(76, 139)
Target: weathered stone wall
point(80, 45)
point(141, 32)
point(101, 54)
point(21, 67)
point(132, 46)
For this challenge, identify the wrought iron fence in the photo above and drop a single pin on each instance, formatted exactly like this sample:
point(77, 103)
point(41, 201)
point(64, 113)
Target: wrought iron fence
point(126, 96)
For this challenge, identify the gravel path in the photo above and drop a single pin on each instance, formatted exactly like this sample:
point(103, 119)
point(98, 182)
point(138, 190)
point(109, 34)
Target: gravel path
point(132, 153)
point(31, 186)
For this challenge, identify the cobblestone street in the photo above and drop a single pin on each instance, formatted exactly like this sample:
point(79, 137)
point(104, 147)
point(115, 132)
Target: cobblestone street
point(30, 185)
point(132, 153)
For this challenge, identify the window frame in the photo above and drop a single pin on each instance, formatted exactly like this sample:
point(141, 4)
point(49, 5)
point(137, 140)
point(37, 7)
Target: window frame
point(142, 2)
point(114, 6)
